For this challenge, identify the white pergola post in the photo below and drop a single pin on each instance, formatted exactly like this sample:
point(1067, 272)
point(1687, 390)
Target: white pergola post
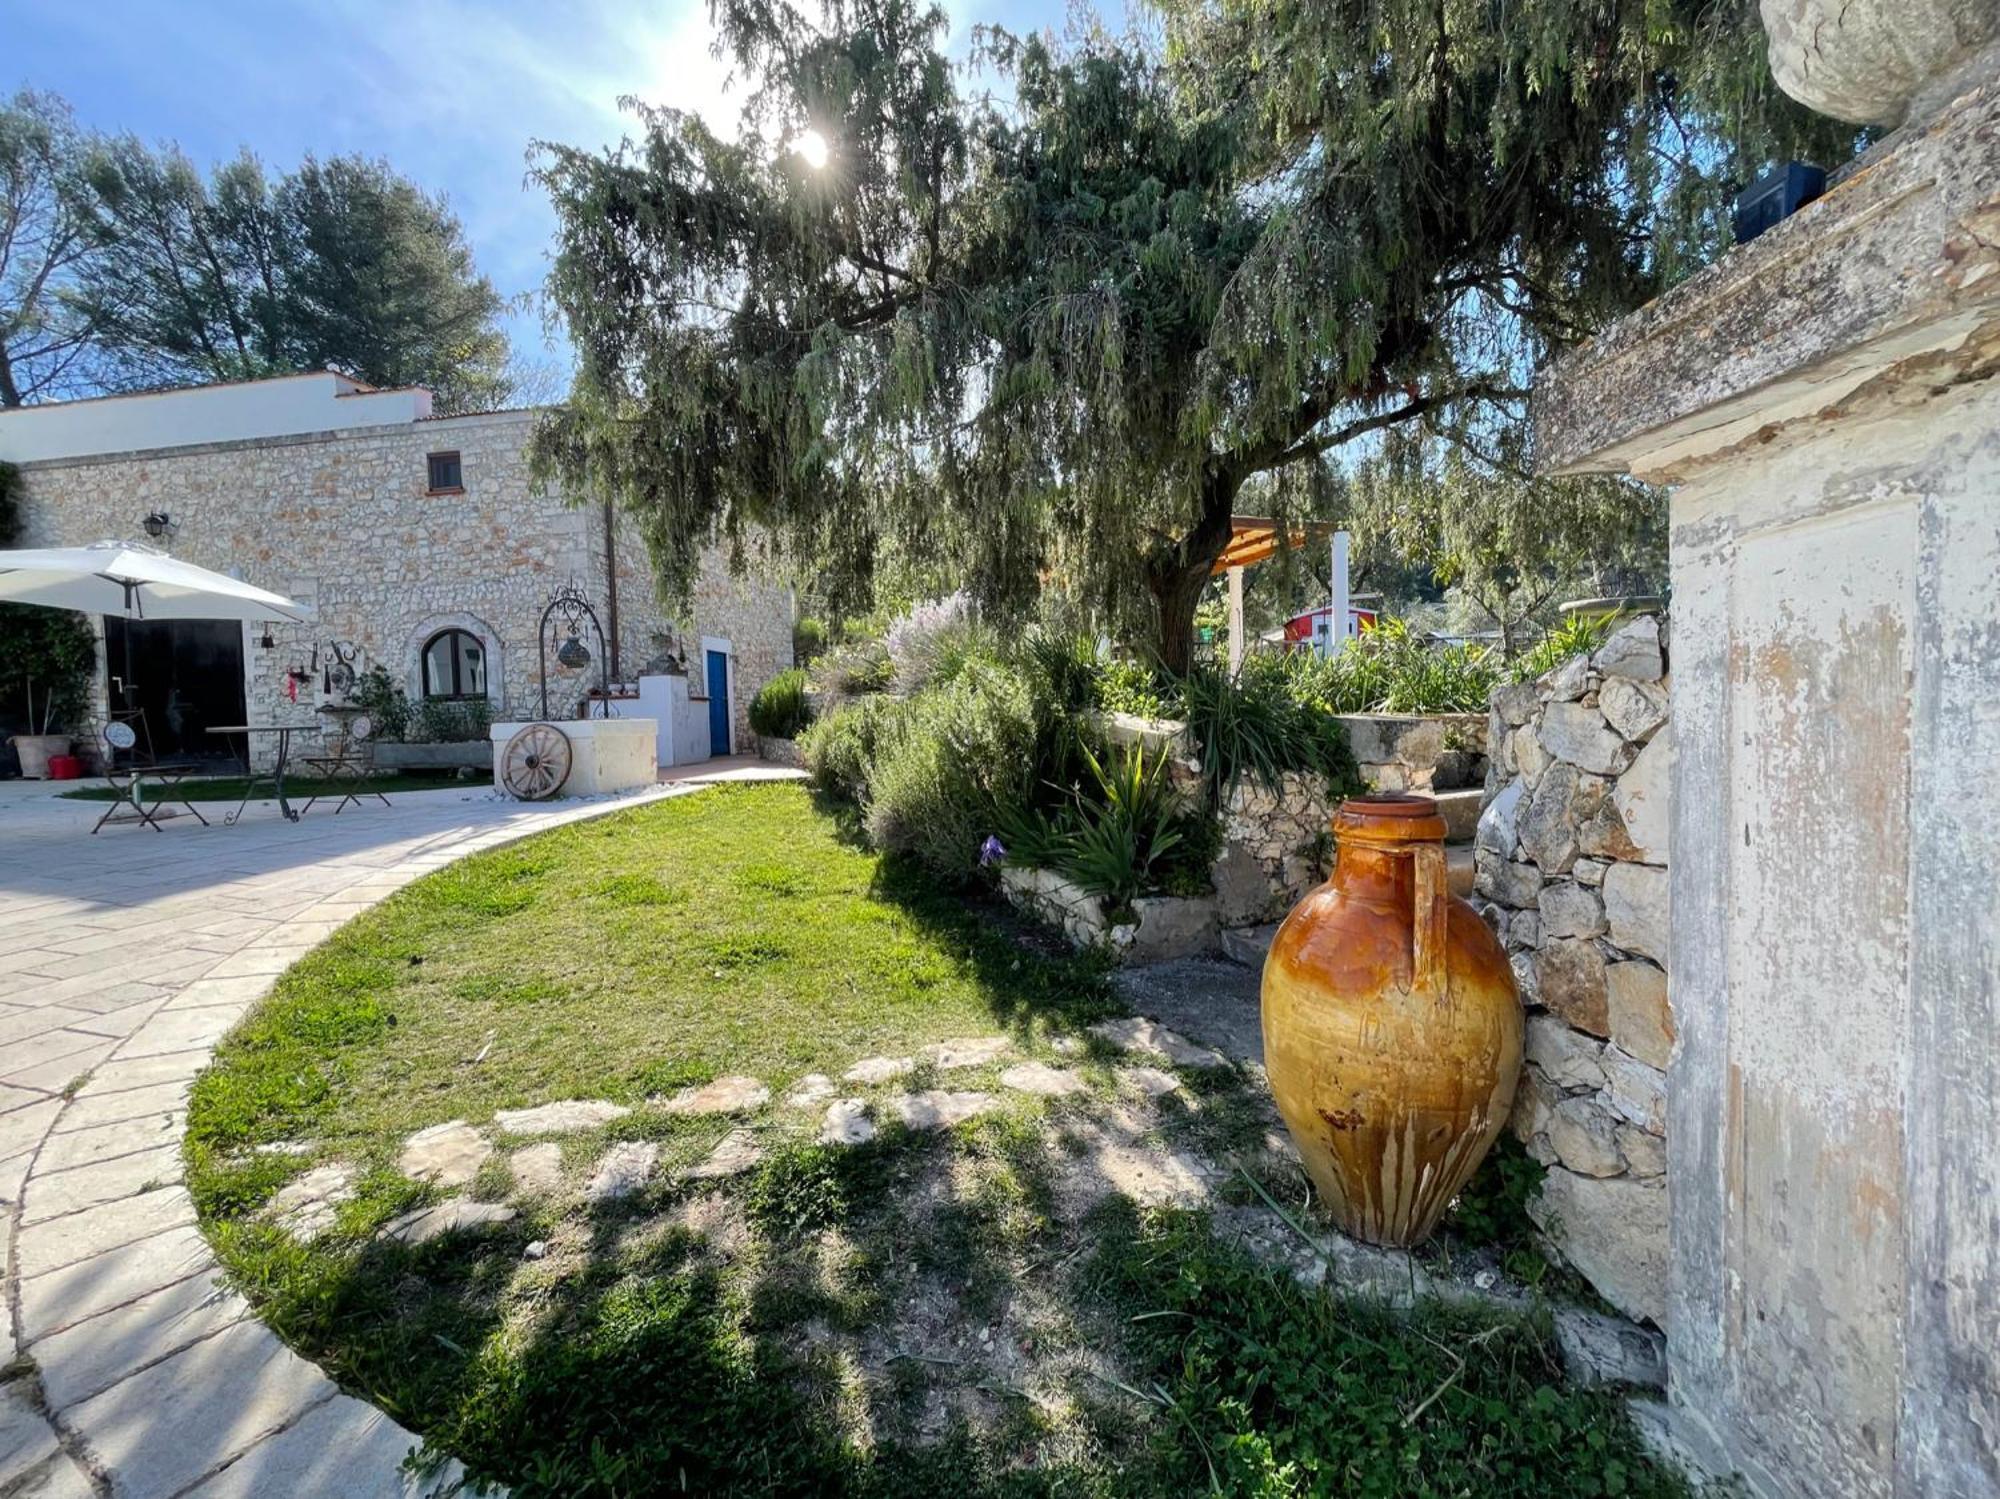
point(1235, 620)
point(1337, 628)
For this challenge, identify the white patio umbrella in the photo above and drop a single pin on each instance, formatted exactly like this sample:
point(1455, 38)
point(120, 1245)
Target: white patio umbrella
point(122, 577)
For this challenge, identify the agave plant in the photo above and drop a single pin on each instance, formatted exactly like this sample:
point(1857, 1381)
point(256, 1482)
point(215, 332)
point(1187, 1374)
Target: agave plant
point(1119, 842)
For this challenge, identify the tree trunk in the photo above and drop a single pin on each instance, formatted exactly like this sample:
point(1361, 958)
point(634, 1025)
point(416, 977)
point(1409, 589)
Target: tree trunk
point(10, 393)
point(1176, 595)
point(1176, 575)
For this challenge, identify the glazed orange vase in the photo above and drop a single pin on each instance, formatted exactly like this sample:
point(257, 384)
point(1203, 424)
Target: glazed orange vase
point(1392, 1028)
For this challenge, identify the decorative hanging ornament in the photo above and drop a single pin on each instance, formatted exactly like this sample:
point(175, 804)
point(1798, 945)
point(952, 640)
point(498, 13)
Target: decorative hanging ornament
point(573, 653)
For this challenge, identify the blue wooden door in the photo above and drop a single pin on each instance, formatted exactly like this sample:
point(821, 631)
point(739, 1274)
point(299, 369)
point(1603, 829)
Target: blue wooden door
point(718, 703)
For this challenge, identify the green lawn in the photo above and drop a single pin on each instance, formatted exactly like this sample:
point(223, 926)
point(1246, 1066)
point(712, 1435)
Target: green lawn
point(976, 1310)
point(297, 788)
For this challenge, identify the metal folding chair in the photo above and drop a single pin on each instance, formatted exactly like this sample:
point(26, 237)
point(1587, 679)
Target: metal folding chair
point(346, 767)
point(127, 769)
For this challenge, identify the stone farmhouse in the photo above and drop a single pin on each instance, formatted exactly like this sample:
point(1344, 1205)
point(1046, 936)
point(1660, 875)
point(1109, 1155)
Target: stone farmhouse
point(420, 540)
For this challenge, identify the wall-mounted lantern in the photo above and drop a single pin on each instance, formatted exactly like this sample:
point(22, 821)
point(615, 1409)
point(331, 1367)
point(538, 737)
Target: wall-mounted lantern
point(159, 525)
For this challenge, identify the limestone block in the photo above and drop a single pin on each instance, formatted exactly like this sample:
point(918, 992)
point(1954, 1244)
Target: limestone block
point(1138, 1035)
point(1599, 1351)
point(1637, 1093)
point(1584, 1137)
point(1534, 1100)
point(1418, 744)
point(564, 1118)
point(846, 1123)
point(1525, 749)
point(1527, 977)
point(1634, 709)
point(1499, 822)
point(1570, 910)
point(736, 1153)
point(1567, 1057)
point(1500, 734)
point(1567, 682)
point(445, 1155)
point(1569, 980)
point(1524, 930)
point(1614, 1231)
point(622, 1170)
point(1548, 827)
point(1633, 650)
point(733, 1094)
point(1516, 885)
point(1588, 872)
point(1641, 797)
point(1042, 1079)
point(1641, 1022)
point(1645, 1155)
point(1866, 64)
point(455, 1215)
point(964, 1051)
point(1636, 908)
point(1603, 836)
point(1243, 892)
point(938, 1109)
point(1514, 702)
point(1172, 926)
point(1370, 737)
point(1577, 734)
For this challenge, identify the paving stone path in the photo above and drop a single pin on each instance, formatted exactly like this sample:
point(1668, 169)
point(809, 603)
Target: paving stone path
point(124, 958)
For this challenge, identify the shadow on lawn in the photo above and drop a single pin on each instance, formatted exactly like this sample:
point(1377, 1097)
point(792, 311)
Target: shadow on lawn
point(977, 1313)
point(814, 1330)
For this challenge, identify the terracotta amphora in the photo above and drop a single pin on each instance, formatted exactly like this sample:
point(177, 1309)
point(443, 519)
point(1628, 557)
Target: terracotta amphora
point(1392, 1028)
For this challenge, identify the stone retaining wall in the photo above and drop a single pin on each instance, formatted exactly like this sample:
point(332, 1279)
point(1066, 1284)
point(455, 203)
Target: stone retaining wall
point(1154, 929)
point(1418, 751)
point(1572, 852)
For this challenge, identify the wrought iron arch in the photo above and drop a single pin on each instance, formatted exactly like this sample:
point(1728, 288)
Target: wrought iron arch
point(569, 608)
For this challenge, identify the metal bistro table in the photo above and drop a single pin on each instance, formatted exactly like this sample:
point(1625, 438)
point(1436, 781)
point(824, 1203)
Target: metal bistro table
point(276, 775)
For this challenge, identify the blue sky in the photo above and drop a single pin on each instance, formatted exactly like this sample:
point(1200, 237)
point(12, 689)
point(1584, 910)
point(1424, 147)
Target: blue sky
point(451, 92)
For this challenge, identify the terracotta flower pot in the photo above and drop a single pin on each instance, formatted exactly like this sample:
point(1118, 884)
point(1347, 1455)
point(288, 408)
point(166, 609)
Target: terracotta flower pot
point(1392, 1029)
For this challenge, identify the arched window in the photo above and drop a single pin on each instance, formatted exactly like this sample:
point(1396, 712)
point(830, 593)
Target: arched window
point(454, 665)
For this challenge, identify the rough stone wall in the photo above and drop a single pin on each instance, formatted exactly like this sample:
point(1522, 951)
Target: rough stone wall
point(1276, 847)
point(1418, 752)
point(1571, 856)
point(342, 520)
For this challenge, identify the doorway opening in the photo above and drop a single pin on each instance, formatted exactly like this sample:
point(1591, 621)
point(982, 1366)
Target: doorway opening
point(185, 675)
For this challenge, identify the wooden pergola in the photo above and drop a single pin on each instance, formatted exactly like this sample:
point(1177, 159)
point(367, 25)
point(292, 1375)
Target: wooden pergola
point(1254, 539)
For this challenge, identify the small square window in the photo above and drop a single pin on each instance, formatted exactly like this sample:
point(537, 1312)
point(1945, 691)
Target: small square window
point(446, 476)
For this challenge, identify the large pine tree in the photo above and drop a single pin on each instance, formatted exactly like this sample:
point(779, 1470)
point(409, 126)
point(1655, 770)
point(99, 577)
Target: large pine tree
point(339, 264)
point(1054, 327)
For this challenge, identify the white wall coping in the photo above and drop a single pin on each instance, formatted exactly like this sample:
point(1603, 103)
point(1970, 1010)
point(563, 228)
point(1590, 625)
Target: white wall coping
point(581, 728)
point(284, 406)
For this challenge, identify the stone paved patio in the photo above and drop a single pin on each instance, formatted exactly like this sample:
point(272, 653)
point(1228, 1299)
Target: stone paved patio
point(123, 959)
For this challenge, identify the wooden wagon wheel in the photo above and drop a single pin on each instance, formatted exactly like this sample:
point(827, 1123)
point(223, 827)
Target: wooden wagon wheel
point(536, 762)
